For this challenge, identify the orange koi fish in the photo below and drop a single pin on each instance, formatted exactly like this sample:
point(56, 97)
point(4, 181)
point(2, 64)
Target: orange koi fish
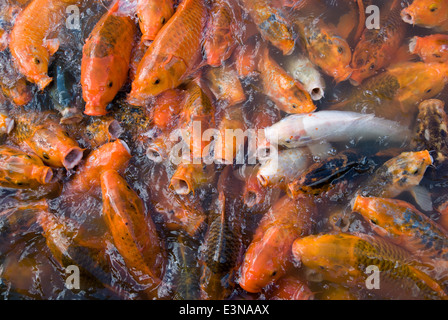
point(167, 107)
point(432, 48)
point(29, 45)
point(377, 47)
point(105, 61)
point(222, 31)
point(134, 233)
point(344, 258)
point(325, 48)
point(152, 16)
point(290, 288)
point(225, 85)
point(288, 94)
point(110, 156)
point(173, 54)
point(48, 139)
point(427, 13)
point(14, 85)
point(190, 177)
point(22, 170)
point(401, 223)
point(271, 24)
point(268, 257)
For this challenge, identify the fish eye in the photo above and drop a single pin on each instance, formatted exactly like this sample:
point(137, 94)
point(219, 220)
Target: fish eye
point(36, 60)
point(372, 66)
point(110, 84)
point(156, 81)
point(294, 106)
point(163, 20)
point(373, 221)
point(274, 273)
point(340, 50)
point(45, 156)
point(428, 91)
point(433, 7)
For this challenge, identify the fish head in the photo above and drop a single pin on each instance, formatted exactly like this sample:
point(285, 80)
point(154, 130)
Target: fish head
point(100, 83)
point(364, 63)
point(296, 100)
point(408, 168)
point(333, 55)
point(378, 212)
point(266, 260)
point(330, 255)
point(218, 47)
point(161, 74)
point(55, 147)
point(152, 16)
point(117, 192)
point(426, 12)
point(33, 61)
point(433, 48)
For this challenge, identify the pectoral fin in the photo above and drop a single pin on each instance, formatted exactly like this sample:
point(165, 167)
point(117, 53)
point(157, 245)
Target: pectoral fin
point(52, 46)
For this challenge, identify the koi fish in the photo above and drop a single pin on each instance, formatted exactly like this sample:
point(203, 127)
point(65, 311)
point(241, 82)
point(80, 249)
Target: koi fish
point(432, 48)
point(401, 173)
point(288, 94)
point(152, 16)
point(271, 24)
point(332, 126)
point(431, 130)
point(290, 288)
point(167, 107)
point(14, 85)
point(22, 170)
point(268, 257)
point(68, 249)
point(102, 130)
point(223, 240)
point(377, 47)
point(325, 48)
point(427, 13)
point(225, 85)
point(172, 55)
point(110, 156)
point(404, 84)
point(229, 145)
point(134, 234)
point(401, 223)
point(189, 177)
point(222, 35)
point(48, 139)
point(284, 167)
point(247, 57)
point(29, 45)
point(343, 258)
point(63, 97)
point(106, 59)
point(197, 116)
point(304, 71)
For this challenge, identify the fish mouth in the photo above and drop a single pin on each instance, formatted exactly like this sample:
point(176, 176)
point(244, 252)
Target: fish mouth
point(180, 186)
point(94, 109)
point(43, 82)
point(316, 93)
point(345, 76)
point(407, 17)
point(114, 129)
point(154, 153)
point(72, 158)
point(43, 174)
